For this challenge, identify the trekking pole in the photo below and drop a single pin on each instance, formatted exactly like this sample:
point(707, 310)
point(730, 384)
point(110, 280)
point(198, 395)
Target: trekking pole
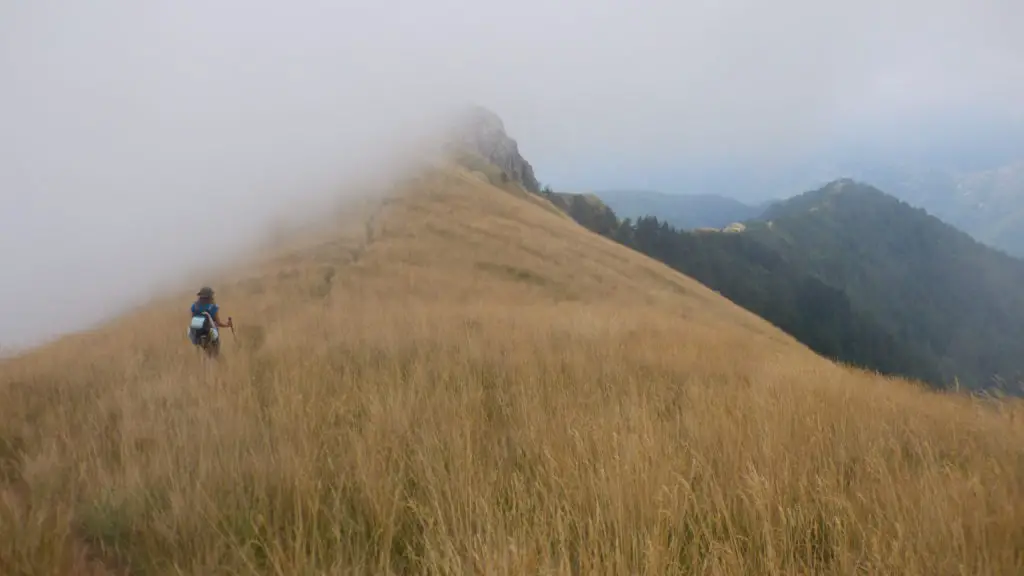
point(231, 323)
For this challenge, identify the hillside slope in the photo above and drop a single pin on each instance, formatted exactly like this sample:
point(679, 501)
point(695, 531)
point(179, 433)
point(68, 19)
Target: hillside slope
point(859, 276)
point(778, 287)
point(985, 203)
point(931, 285)
point(469, 381)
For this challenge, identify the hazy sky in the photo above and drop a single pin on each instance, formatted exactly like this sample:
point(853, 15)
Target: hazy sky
point(134, 134)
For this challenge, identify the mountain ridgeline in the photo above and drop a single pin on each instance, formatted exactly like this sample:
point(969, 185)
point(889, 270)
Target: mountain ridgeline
point(984, 202)
point(941, 293)
point(686, 211)
point(455, 375)
point(858, 276)
point(855, 274)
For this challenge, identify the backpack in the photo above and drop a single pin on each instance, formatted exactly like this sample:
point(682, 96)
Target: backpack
point(202, 330)
point(201, 324)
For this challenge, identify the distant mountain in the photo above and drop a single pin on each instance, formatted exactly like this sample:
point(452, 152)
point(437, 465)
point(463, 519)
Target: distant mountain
point(930, 284)
point(687, 211)
point(966, 170)
point(861, 276)
point(988, 204)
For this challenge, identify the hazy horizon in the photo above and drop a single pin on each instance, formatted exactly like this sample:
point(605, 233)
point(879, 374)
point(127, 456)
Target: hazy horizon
point(141, 141)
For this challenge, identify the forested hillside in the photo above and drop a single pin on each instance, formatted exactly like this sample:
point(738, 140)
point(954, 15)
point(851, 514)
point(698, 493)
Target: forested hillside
point(859, 276)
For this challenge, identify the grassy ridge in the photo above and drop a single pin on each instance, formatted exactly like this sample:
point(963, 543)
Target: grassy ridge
point(471, 383)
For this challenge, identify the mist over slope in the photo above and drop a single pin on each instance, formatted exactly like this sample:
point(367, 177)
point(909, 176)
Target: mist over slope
point(144, 141)
point(435, 369)
point(403, 375)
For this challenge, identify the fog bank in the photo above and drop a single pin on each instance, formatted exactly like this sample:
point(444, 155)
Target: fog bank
point(140, 139)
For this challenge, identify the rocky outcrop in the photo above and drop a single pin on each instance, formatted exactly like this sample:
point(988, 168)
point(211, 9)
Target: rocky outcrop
point(481, 132)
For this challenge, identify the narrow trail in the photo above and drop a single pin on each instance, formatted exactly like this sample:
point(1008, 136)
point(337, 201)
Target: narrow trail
point(369, 232)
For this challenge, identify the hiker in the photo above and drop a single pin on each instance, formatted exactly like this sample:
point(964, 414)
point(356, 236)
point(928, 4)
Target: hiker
point(206, 319)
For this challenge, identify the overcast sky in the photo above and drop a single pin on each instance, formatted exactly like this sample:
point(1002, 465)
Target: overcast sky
point(133, 134)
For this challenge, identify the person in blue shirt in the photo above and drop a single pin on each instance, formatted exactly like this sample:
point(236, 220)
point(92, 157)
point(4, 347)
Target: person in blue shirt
point(206, 318)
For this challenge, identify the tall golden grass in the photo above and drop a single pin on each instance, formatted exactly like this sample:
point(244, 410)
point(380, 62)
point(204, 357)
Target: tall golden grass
point(472, 384)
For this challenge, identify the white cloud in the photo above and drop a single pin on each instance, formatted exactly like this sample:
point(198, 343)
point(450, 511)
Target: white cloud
point(136, 133)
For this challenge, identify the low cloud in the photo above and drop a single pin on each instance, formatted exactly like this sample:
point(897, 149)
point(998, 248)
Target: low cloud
point(143, 139)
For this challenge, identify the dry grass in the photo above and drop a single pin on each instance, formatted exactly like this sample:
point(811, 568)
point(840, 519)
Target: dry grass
point(472, 384)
